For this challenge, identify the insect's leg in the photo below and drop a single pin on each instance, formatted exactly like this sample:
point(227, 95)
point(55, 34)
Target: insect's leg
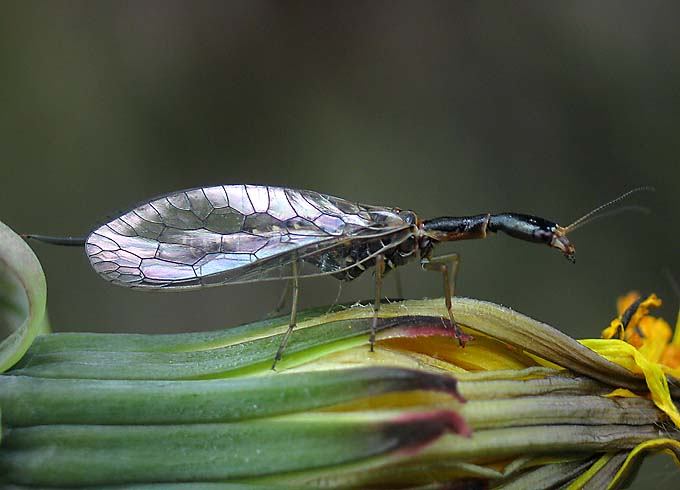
point(443, 264)
point(281, 304)
point(451, 261)
point(397, 281)
point(337, 298)
point(379, 273)
point(293, 315)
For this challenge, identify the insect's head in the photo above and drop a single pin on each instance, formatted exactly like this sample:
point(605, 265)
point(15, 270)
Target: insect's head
point(539, 230)
point(560, 241)
point(534, 229)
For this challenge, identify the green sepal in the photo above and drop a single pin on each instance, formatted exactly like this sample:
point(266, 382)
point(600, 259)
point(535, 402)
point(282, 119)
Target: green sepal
point(39, 401)
point(551, 475)
point(62, 455)
point(236, 357)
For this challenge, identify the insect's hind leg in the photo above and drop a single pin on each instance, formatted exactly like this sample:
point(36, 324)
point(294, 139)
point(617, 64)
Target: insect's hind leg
point(293, 315)
point(379, 274)
point(447, 266)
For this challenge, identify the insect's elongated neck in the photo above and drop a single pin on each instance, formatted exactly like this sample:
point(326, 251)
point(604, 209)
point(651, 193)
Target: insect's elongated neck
point(451, 228)
point(522, 226)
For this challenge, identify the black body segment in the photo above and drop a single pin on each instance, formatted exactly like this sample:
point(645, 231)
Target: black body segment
point(452, 228)
point(523, 226)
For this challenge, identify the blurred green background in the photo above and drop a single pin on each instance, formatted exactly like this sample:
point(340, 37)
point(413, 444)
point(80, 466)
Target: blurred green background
point(442, 107)
point(446, 108)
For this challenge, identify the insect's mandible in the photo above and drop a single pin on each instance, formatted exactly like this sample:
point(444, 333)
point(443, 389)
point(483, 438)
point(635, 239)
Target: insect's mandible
point(233, 234)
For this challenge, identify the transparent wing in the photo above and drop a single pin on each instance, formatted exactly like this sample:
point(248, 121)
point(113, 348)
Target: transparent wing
point(233, 234)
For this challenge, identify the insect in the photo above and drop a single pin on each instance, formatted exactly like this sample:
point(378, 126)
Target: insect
point(231, 234)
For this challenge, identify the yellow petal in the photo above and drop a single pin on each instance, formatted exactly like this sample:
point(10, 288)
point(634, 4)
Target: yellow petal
point(641, 312)
point(671, 358)
point(629, 357)
point(617, 326)
point(656, 336)
point(624, 302)
point(622, 393)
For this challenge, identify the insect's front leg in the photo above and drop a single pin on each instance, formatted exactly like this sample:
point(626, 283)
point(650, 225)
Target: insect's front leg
point(447, 266)
point(293, 314)
point(379, 274)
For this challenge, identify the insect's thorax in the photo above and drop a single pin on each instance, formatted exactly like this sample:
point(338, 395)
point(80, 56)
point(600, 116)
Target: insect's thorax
point(359, 254)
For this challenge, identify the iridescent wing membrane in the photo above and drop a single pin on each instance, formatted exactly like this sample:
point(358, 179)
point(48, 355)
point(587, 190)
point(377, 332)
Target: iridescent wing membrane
point(237, 233)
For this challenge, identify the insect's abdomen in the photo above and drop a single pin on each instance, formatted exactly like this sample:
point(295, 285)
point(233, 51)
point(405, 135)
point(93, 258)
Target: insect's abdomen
point(353, 259)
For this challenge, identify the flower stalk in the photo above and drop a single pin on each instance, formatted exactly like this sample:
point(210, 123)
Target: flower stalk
point(521, 406)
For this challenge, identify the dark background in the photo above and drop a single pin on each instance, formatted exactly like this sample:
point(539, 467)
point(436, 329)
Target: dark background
point(441, 107)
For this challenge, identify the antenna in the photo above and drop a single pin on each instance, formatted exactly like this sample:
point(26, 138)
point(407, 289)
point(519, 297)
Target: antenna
point(595, 213)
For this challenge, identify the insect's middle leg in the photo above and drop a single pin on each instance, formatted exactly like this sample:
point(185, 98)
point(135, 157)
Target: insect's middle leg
point(447, 266)
point(336, 300)
point(281, 303)
point(293, 315)
point(397, 283)
point(379, 274)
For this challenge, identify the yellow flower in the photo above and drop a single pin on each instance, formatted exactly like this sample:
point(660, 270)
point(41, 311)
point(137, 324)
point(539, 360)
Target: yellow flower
point(652, 336)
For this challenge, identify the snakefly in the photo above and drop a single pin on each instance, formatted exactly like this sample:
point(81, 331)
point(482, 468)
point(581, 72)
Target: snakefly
point(231, 234)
